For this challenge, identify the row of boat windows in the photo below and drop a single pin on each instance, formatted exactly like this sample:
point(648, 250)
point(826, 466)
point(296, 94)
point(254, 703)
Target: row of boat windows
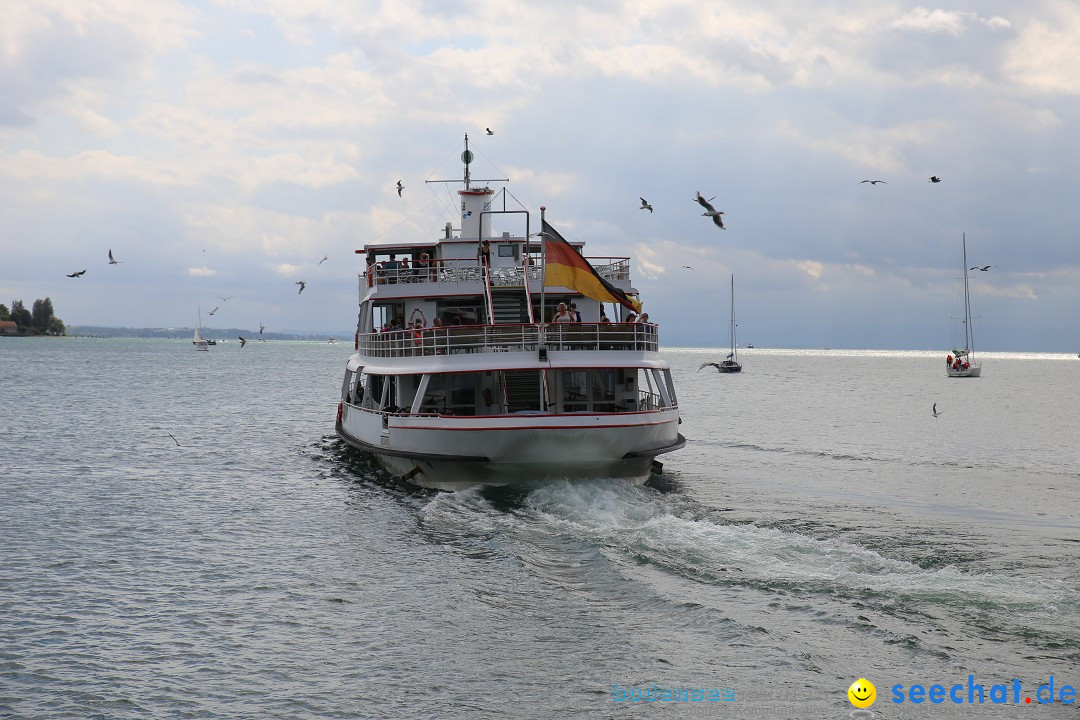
point(499, 392)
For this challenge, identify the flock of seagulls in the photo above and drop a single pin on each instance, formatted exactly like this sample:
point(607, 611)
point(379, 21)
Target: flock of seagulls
point(712, 212)
point(262, 327)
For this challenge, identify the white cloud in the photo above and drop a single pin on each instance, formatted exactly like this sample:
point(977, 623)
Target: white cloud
point(932, 21)
point(201, 272)
point(1046, 55)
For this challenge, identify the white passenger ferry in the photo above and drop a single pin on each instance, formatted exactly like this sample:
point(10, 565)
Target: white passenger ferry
point(457, 380)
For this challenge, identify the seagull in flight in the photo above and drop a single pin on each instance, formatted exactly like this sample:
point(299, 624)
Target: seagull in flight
point(710, 210)
point(214, 310)
point(324, 258)
point(243, 342)
point(645, 205)
point(984, 268)
point(174, 440)
point(77, 274)
point(224, 299)
point(490, 131)
point(935, 179)
point(936, 413)
point(688, 267)
point(872, 182)
point(302, 285)
point(400, 187)
point(707, 364)
point(261, 328)
point(111, 260)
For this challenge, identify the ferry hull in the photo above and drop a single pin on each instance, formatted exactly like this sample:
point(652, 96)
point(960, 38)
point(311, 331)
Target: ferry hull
point(471, 454)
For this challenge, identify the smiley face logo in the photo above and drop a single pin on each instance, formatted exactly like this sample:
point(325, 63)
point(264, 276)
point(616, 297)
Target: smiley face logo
point(862, 693)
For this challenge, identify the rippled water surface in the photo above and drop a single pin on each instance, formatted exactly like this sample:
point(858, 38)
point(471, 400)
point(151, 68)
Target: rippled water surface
point(820, 526)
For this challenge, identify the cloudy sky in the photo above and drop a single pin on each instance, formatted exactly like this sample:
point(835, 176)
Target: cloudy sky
point(223, 147)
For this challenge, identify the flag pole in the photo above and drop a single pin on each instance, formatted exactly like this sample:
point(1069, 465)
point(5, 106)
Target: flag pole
point(543, 266)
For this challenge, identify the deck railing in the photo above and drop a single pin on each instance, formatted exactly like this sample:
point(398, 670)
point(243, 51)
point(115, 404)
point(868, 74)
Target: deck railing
point(457, 271)
point(640, 337)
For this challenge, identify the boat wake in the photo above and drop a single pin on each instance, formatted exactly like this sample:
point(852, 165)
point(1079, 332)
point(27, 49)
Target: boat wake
point(686, 553)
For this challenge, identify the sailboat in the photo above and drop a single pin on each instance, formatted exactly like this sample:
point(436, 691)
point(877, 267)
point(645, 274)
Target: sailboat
point(730, 364)
point(962, 362)
point(198, 341)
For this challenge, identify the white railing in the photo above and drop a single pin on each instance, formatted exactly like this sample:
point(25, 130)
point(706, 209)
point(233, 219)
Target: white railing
point(639, 337)
point(456, 271)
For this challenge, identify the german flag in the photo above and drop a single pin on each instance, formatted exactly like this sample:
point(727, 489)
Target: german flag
point(566, 268)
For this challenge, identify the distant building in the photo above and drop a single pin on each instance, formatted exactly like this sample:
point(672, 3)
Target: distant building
point(8, 327)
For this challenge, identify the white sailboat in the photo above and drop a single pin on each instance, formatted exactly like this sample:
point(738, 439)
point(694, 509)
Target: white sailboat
point(198, 341)
point(962, 362)
point(730, 364)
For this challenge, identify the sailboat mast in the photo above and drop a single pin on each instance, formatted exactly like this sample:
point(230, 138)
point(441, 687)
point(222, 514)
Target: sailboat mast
point(969, 339)
point(734, 356)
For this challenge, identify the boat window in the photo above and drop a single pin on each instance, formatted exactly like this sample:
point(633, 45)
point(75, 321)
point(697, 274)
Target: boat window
point(575, 390)
point(384, 314)
point(466, 311)
point(670, 388)
point(373, 393)
point(451, 394)
point(346, 386)
point(661, 387)
point(602, 390)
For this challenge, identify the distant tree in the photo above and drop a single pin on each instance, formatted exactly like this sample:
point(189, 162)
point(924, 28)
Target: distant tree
point(42, 314)
point(57, 327)
point(5, 314)
point(21, 315)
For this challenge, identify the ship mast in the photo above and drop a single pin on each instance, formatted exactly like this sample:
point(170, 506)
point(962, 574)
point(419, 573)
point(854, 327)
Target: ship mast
point(467, 158)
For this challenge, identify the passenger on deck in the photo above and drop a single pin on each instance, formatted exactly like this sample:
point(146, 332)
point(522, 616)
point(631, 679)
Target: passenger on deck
point(484, 253)
point(575, 316)
point(423, 267)
point(562, 314)
point(391, 268)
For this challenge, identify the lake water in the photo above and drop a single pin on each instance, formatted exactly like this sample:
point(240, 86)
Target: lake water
point(820, 526)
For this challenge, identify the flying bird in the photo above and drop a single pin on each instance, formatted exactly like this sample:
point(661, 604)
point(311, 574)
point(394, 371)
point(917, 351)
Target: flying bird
point(688, 267)
point(174, 440)
point(302, 285)
point(645, 205)
point(872, 182)
point(490, 131)
point(707, 364)
point(261, 328)
point(224, 299)
point(400, 187)
point(111, 260)
point(984, 268)
point(710, 210)
point(77, 274)
point(935, 179)
point(324, 257)
point(214, 310)
point(243, 342)
point(936, 413)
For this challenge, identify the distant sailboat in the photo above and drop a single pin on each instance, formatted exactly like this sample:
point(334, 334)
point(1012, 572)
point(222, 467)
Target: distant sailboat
point(198, 341)
point(962, 362)
point(730, 364)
